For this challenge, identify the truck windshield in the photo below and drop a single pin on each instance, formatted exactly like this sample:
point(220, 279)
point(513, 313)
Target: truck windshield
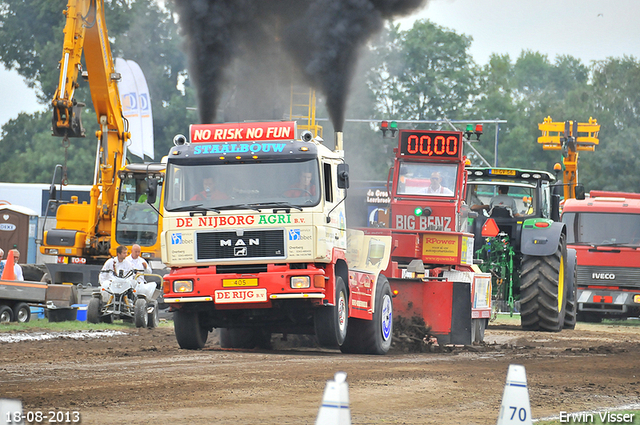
point(247, 185)
point(602, 228)
point(137, 221)
point(431, 179)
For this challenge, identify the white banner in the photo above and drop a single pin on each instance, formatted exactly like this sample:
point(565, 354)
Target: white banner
point(136, 107)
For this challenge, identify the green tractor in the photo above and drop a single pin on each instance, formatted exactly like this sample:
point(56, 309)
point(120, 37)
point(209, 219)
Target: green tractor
point(519, 239)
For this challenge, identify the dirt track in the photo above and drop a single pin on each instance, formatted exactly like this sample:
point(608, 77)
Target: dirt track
point(142, 377)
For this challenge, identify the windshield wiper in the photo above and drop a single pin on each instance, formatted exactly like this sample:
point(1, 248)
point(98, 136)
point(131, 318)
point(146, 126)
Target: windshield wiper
point(277, 205)
point(194, 207)
point(616, 244)
point(239, 206)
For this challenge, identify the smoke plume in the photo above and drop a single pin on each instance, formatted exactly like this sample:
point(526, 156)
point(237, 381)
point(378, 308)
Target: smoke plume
point(321, 39)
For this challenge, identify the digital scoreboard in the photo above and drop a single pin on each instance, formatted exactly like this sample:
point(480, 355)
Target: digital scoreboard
point(431, 144)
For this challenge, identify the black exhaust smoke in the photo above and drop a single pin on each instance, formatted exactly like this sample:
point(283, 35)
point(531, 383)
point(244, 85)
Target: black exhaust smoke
point(322, 37)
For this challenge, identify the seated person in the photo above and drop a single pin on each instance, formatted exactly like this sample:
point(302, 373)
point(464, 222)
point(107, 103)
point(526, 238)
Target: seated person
point(303, 188)
point(210, 191)
point(435, 187)
point(117, 264)
point(503, 201)
point(474, 201)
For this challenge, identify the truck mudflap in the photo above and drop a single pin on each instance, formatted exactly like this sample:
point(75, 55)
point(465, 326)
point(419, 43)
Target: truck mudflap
point(449, 304)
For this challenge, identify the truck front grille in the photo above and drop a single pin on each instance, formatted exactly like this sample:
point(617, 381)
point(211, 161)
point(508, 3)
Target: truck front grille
point(609, 276)
point(231, 246)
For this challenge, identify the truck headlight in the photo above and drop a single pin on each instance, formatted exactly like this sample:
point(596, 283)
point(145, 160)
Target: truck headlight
point(300, 282)
point(182, 286)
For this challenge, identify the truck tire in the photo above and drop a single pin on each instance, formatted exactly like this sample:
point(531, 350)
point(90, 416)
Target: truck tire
point(189, 333)
point(571, 305)
point(21, 313)
point(140, 314)
point(373, 336)
point(6, 314)
point(543, 290)
point(245, 338)
point(152, 318)
point(331, 322)
point(93, 310)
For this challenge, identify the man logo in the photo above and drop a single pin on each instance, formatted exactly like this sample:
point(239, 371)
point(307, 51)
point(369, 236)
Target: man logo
point(176, 239)
point(240, 251)
point(239, 242)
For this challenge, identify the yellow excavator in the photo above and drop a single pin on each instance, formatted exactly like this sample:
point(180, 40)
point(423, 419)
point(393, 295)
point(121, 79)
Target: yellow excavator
point(86, 234)
point(570, 137)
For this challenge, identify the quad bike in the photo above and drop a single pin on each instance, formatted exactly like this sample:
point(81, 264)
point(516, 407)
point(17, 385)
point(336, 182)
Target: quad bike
point(126, 297)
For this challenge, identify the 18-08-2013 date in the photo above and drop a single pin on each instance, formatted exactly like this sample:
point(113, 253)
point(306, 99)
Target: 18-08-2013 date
point(37, 417)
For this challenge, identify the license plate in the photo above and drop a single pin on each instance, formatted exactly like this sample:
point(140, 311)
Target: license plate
point(504, 172)
point(231, 296)
point(230, 283)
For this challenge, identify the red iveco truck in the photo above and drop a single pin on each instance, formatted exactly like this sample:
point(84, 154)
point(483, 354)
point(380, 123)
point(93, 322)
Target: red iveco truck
point(605, 231)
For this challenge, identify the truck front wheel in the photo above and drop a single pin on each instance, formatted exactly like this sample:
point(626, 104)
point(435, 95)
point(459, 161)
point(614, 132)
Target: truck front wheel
point(373, 336)
point(189, 333)
point(331, 322)
point(543, 290)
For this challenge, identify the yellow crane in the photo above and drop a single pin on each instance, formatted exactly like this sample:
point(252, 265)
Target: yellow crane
point(570, 137)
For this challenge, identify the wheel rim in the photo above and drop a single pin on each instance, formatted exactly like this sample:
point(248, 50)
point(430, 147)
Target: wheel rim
point(5, 317)
point(22, 315)
point(342, 313)
point(387, 318)
point(561, 285)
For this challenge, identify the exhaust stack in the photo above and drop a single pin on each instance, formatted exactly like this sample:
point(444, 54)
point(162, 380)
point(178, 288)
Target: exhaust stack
point(339, 143)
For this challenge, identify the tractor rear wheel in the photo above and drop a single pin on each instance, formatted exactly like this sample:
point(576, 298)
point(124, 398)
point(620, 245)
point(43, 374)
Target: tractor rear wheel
point(189, 333)
point(543, 290)
point(571, 314)
point(372, 336)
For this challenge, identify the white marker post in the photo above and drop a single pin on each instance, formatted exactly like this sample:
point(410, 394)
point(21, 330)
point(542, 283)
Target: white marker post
point(335, 402)
point(11, 411)
point(515, 408)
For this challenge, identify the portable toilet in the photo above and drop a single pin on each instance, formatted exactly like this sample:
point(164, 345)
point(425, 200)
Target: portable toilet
point(19, 229)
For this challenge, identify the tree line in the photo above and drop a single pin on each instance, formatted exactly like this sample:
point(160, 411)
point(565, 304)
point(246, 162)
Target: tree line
point(423, 73)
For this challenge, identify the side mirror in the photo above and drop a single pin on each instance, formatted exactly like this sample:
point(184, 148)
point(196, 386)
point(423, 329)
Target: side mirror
point(52, 191)
point(343, 176)
point(555, 207)
point(579, 192)
point(152, 190)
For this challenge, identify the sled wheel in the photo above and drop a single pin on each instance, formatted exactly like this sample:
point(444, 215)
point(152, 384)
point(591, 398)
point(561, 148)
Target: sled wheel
point(542, 290)
point(21, 313)
point(373, 336)
point(140, 313)
point(331, 322)
point(6, 314)
point(189, 333)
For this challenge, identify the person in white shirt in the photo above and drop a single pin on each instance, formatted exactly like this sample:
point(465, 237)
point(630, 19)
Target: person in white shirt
point(17, 269)
point(139, 264)
point(503, 200)
point(435, 188)
point(117, 264)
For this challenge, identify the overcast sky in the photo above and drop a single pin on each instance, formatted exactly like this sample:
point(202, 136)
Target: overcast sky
point(587, 29)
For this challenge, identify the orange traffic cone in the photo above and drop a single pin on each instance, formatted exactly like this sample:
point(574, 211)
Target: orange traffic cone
point(8, 273)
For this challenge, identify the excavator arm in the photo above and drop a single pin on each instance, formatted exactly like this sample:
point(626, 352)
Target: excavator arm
point(85, 32)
